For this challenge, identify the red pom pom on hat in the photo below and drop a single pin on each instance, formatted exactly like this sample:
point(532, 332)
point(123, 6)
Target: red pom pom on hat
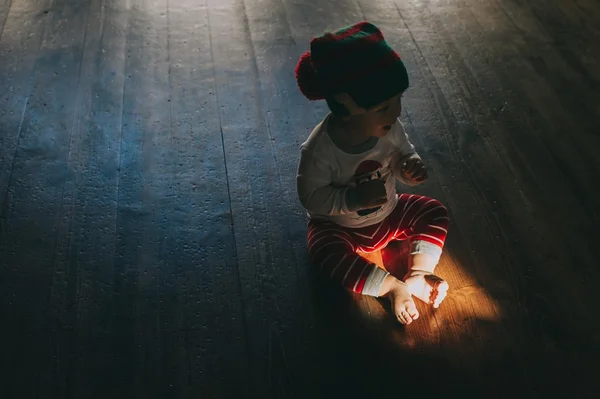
point(309, 81)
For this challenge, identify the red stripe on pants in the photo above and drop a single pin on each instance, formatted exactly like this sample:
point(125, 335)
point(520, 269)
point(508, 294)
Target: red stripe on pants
point(333, 248)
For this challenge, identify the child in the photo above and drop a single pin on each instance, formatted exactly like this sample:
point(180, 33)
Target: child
point(347, 170)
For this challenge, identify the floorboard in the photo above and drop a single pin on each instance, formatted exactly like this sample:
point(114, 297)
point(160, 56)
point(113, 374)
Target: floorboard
point(151, 240)
point(143, 292)
point(4, 10)
point(20, 41)
point(31, 210)
point(214, 355)
point(86, 241)
point(263, 250)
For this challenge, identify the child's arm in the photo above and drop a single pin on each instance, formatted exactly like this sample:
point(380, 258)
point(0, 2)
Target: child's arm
point(315, 190)
point(407, 164)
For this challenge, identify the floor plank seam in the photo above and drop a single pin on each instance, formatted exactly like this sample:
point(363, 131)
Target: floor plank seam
point(247, 343)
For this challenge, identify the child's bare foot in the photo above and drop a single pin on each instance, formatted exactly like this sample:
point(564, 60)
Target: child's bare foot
point(401, 300)
point(427, 287)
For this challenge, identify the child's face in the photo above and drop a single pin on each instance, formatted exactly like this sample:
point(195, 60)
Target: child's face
point(378, 120)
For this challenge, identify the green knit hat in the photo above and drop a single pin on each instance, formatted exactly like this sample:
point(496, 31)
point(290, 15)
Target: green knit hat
point(356, 60)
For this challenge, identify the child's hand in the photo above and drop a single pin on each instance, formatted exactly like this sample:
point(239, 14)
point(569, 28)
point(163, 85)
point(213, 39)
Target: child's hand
point(414, 171)
point(372, 193)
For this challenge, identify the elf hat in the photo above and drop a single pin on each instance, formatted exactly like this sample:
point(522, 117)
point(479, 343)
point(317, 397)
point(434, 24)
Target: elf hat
point(355, 60)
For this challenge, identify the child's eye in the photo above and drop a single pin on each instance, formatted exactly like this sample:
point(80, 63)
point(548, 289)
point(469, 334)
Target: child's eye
point(384, 108)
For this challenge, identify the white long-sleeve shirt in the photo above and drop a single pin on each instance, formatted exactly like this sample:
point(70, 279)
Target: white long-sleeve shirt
point(326, 172)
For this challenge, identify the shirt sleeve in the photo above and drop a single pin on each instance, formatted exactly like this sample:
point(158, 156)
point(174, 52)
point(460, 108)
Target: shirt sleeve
point(315, 190)
point(404, 150)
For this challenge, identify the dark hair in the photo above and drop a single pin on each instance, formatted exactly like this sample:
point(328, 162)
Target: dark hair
point(336, 107)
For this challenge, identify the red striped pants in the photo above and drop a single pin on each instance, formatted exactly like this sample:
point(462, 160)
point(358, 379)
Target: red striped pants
point(333, 248)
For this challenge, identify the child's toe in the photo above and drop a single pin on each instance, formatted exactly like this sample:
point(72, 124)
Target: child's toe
point(404, 317)
point(412, 311)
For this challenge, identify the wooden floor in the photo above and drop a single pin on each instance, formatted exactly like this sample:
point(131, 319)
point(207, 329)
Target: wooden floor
point(151, 241)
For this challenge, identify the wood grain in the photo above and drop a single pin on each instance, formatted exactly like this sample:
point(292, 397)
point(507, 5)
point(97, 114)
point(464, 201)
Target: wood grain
point(32, 206)
point(4, 10)
point(20, 42)
point(213, 356)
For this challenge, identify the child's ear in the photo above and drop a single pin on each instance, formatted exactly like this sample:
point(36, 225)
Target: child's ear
point(348, 102)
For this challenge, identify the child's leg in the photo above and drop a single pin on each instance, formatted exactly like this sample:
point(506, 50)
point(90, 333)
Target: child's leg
point(333, 250)
point(425, 222)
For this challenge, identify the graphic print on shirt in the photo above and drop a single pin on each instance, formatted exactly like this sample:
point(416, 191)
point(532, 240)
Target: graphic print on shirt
point(367, 171)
